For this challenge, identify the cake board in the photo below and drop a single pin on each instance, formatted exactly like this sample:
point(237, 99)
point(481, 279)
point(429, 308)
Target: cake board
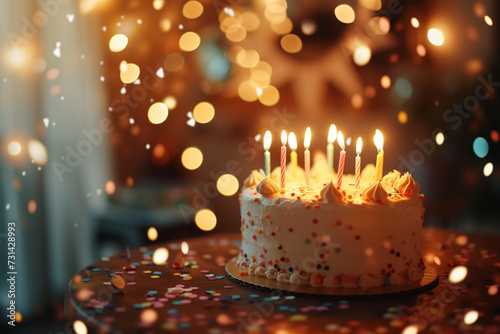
point(428, 281)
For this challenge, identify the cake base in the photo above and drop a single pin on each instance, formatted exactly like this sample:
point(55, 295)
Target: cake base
point(428, 281)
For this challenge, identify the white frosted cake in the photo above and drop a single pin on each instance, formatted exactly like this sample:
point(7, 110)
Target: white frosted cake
point(319, 235)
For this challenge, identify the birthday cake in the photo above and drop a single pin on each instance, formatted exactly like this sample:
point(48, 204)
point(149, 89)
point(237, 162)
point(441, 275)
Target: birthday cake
point(319, 235)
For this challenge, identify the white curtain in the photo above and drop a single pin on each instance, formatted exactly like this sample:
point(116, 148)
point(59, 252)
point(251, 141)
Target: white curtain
point(54, 241)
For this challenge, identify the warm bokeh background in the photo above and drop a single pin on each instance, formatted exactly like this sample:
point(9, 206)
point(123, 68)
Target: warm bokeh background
point(106, 106)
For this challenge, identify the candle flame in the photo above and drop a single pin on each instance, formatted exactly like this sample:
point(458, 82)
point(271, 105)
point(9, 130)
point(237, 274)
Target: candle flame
point(379, 140)
point(332, 133)
point(292, 141)
point(184, 248)
point(307, 138)
point(283, 138)
point(340, 139)
point(267, 140)
point(359, 145)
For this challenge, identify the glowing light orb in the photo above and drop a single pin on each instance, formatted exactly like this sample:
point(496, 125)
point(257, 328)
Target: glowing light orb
point(385, 81)
point(110, 187)
point(410, 329)
point(362, 55)
point(184, 248)
point(170, 101)
point(205, 219)
point(157, 113)
point(38, 152)
point(291, 43)
point(488, 169)
point(192, 158)
point(308, 27)
point(14, 148)
point(203, 112)
point(118, 43)
point(130, 73)
point(192, 9)
point(493, 290)
point(79, 327)
point(421, 51)
point(480, 147)
point(471, 317)
point(345, 14)
point(152, 233)
point(371, 4)
point(16, 57)
point(32, 206)
point(458, 274)
point(189, 41)
point(160, 256)
point(414, 22)
point(148, 316)
point(435, 36)
point(227, 184)
point(269, 96)
point(488, 20)
point(402, 117)
point(439, 138)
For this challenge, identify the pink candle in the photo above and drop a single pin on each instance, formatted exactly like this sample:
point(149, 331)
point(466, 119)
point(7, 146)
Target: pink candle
point(358, 162)
point(283, 158)
point(340, 139)
point(307, 154)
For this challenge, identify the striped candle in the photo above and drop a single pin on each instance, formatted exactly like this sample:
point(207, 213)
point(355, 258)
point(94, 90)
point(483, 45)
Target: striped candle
point(340, 172)
point(283, 158)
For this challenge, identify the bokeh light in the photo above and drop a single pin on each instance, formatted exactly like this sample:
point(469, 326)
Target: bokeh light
point(174, 62)
point(403, 88)
point(14, 148)
point(16, 57)
point(291, 43)
point(110, 187)
point(148, 316)
point(493, 290)
point(435, 36)
point(488, 169)
point(414, 22)
point(270, 96)
point(158, 113)
point(385, 81)
point(192, 9)
point(192, 158)
point(458, 274)
point(410, 329)
point(402, 117)
point(471, 317)
point(371, 4)
point(38, 152)
point(362, 55)
point(79, 327)
point(480, 147)
point(205, 219)
point(227, 184)
point(32, 206)
point(160, 256)
point(421, 50)
point(152, 233)
point(170, 101)
point(308, 27)
point(345, 14)
point(189, 41)
point(439, 138)
point(203, 112)
point(118, 43)
point(129, 73)
point(488, 20)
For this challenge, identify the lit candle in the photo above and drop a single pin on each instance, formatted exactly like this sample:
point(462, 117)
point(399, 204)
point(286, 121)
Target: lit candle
point(332, 135)
point(307, 154)
point(292, 142)
point(267, 155)
point(341, 159)
point(283, 158)
point(358, 163)
point(379, 143)
point(184, 250)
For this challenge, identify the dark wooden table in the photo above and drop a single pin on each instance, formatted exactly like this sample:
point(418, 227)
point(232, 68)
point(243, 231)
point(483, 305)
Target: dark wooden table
point(159, 298)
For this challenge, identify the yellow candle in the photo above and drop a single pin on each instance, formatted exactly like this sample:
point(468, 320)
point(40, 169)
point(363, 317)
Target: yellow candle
point(292, 142)
point(379, 143)
point(307, 154)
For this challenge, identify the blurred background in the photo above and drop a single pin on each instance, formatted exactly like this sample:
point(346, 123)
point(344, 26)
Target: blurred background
point(130, 122)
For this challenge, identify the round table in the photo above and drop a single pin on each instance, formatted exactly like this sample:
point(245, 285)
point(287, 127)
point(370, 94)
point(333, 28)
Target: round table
point(203, 299)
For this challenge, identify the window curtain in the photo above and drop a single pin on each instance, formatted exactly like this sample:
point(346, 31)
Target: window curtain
point(50, 94)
